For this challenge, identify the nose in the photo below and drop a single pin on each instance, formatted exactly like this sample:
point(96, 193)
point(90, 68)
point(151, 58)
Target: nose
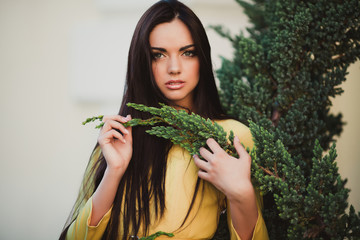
point(174, 66)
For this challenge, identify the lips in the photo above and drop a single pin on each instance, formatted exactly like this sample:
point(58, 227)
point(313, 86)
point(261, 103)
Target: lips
point(175, 84)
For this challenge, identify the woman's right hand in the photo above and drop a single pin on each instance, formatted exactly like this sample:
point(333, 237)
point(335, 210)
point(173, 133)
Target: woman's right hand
point(116, 147)
point(117, 150)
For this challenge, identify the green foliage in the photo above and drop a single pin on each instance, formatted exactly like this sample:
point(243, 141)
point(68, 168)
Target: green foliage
point(190, 131)
point(281, 81)
point(157, 234)
point(93, 119)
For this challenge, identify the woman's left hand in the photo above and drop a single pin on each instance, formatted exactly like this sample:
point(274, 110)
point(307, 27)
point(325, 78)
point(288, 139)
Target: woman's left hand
point(228, 174)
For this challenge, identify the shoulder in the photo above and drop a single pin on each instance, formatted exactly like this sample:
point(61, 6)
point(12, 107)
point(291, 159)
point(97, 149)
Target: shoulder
point(239, 129)
point(234, 125)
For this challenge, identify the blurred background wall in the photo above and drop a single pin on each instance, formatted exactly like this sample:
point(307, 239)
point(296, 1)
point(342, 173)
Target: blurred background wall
point(63, 61)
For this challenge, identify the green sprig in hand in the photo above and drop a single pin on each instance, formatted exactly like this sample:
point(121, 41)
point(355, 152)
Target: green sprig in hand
point(190, 131)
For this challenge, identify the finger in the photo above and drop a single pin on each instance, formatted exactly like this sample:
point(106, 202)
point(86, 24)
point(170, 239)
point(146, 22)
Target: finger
point(213, 145)
point(240, 149)
point(201, 163)
point(112, 124)
point(204, 175)
point(128, 137)
point(117, 118)
point(113, 134)
point(110, 136)
point(206, 154)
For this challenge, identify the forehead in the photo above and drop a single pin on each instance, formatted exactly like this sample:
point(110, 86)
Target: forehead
point(174, 34)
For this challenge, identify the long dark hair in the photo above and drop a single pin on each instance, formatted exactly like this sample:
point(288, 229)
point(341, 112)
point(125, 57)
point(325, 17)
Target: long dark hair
point(145, 175)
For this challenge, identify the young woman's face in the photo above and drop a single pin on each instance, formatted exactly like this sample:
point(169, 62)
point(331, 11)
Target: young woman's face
point(175, 62)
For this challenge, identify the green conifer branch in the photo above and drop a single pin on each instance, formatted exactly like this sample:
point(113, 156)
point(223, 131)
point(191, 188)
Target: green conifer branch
point(157, 234)
point(190, 131)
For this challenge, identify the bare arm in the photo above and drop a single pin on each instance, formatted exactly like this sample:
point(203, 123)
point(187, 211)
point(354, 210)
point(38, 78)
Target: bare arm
point(117, 150)
point(244, 213)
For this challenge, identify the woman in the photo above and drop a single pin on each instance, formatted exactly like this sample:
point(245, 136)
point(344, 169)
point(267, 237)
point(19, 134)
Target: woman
point(137, 184)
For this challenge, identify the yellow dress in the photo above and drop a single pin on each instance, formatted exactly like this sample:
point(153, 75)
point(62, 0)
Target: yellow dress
point(181, 177)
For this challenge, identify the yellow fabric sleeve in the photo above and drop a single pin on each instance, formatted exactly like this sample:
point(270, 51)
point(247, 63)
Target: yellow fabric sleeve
point(81, 229)
point(260, 231)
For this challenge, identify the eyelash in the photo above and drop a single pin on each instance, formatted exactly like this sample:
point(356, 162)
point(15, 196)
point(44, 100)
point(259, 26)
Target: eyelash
point(157, 55)
point(188, 53)
point(191, 52)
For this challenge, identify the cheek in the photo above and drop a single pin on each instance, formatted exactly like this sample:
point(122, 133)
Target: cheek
point(195, 70)
point(198, 69)
point(155, 70)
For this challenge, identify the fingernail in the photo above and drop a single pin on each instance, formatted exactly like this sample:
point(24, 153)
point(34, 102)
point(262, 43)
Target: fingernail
point(123, 141)
point(236, 138)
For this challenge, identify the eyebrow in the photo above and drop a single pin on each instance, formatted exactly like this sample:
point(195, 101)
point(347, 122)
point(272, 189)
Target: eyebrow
point(181, 49)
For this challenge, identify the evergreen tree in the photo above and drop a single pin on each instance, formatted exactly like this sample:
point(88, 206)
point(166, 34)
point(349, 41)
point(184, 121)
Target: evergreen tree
point(280, 81)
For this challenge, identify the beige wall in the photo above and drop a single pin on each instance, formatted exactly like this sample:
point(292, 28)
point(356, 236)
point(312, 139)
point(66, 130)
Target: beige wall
point(348, 144)
point(44, 147)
